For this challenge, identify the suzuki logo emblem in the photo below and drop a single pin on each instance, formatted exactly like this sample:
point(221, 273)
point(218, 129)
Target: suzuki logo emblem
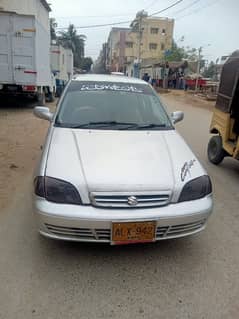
point(132, 201)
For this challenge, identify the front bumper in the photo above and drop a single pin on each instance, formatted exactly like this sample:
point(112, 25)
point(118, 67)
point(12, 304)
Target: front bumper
point(90, 224)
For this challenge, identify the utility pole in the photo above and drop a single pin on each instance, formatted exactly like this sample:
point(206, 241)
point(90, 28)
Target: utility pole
point(140, 37)
point(198, 67)
point(139, 40)
point(136, 26)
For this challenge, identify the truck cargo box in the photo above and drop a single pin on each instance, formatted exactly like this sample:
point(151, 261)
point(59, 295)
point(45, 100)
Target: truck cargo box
point(59, 62)
point(24, 50)
point(69, 63)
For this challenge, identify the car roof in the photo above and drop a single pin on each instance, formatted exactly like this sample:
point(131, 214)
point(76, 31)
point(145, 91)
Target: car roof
point(107, 78)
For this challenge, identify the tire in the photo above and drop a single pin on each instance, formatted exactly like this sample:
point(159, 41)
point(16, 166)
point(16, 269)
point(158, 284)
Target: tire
point(50, 97)
point(41, 98)
point(215, 151)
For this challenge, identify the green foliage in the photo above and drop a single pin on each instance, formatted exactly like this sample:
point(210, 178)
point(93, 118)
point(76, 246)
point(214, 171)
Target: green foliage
point(53, 25)
point(177, 53)
point(76, 42)
point(180, 53)
point(86, 64)
point(210, 71)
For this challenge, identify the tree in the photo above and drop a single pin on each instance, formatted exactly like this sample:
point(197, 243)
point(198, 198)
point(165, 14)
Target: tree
point(76, 42)
point(86, 64)
point(53, 25)
point(177, 53)
point(191, 54)
point(210, 71)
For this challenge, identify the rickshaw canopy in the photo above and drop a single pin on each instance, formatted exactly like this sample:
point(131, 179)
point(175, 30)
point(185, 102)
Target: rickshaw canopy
point(228, 84)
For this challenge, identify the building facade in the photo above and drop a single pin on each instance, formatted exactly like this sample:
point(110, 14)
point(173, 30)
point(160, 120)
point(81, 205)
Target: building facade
point(147, 38)
point(119, 48)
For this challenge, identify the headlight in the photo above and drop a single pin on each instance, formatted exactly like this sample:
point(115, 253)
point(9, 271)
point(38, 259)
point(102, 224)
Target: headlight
point(196, 189)
point(56, 190)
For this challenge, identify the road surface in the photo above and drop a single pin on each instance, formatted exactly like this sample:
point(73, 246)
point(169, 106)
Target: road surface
point(196, 277)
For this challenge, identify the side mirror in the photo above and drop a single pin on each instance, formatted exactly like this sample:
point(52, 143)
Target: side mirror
point(43, 113)
point(177, 116)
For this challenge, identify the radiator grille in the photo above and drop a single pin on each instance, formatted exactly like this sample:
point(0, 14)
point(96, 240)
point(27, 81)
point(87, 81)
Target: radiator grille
point(179, 230)
point(80, 233)
point(130, 200)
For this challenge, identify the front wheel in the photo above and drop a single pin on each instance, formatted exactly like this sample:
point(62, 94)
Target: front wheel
point(215, 151)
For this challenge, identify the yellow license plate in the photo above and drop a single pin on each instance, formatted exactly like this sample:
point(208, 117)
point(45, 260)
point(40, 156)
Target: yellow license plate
point(133, 232)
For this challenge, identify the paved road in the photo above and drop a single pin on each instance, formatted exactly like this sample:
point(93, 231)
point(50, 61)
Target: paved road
point(195, 277)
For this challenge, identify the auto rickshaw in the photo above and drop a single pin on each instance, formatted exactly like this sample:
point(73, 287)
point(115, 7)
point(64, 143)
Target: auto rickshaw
point(225, 120)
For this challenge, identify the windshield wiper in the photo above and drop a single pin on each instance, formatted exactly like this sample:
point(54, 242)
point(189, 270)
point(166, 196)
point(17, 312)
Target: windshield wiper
point(113, 124)
point(151, 125)
point(124, 125)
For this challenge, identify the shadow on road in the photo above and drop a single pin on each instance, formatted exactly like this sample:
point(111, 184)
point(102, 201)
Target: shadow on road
point(17, 102)
point(231, 165)
point(163, 249)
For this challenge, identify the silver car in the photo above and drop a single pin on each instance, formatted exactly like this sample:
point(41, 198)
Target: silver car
point(114, 169)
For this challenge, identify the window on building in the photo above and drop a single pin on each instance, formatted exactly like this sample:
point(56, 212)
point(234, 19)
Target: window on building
point(129, 44)
point(163, 31)
point(162, 46)
point(154, 30)
point(63, 59)
point(153, 46)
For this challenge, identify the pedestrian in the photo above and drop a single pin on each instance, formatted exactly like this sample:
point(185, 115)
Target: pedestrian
point(146, 77)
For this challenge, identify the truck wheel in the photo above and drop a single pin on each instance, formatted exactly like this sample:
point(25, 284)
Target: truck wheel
point(51, 97)
point(41, 98)
point(215, 151)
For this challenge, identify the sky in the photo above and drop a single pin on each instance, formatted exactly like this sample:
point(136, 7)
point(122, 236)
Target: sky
point(210, 24)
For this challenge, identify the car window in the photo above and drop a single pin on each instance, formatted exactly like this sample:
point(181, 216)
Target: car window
point(84, 104)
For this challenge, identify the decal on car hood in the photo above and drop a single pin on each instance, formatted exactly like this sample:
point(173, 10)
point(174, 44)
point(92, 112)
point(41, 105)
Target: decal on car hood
point(186, 169)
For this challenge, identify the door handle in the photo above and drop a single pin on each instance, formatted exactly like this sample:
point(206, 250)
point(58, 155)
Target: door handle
point(19, 67)
point(18, 34)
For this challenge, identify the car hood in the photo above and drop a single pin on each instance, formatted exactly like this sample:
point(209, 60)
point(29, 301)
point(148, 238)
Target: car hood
point(119, 161)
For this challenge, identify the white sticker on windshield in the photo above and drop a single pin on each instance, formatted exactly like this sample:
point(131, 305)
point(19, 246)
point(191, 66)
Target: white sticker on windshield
point(111, 87)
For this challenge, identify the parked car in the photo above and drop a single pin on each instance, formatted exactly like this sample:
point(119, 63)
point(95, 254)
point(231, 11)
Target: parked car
point(115, 170)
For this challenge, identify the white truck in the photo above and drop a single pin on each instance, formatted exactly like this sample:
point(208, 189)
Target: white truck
point(24, 49)
point(61, 66)
point(69, 63)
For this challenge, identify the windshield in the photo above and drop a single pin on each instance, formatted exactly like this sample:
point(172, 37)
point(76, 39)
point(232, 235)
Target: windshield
point(104, 105)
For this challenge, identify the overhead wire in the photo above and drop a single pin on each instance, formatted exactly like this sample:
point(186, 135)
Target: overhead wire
point(122, 22)
point(187, 7)
point(108, 15)
point(98, 25)
point(151, 4)
point(197, 10)
point(165, 9)
point(98, 16)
